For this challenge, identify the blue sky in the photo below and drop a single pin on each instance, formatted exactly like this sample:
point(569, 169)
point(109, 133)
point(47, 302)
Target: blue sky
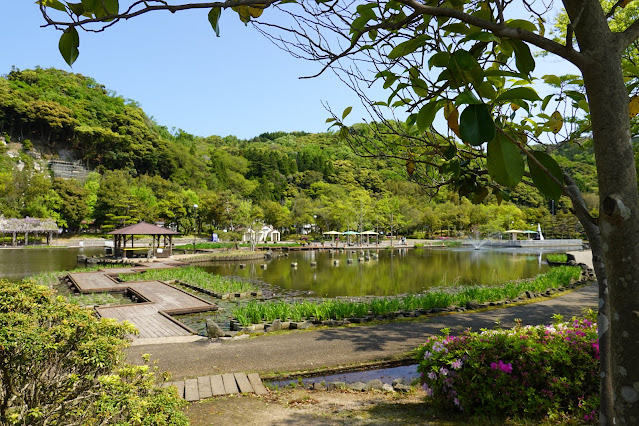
point(184, 77)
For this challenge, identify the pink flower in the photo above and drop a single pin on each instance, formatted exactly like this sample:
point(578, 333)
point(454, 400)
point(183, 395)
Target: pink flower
point(457, 364)
point(443, 371)
point(432, 375)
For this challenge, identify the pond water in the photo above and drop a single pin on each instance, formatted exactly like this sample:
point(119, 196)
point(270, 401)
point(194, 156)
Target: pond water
point(393, 272)
point(23, 262)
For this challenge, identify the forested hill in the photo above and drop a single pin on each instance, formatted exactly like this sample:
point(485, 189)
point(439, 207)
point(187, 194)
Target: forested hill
point(144, 171)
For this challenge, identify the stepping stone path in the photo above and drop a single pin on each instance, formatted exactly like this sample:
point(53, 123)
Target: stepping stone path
point(218, 385)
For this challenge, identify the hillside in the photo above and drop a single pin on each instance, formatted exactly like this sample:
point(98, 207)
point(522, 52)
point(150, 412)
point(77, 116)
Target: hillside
point(143, 171)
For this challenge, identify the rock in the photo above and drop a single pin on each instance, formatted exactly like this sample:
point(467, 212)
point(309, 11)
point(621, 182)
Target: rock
point(471, 305)
point(276, 326)
point(304, 325)
point(213, 330)
point(399, 381)
point(402, 388)
point(387, 388)
point(357, 386)
point(336, 385)
point(230, 333)
point(318, 387)
point(374, 384)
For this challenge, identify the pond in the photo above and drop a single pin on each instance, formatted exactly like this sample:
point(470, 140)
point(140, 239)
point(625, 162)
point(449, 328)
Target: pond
point(23, 262)
point(387, 272)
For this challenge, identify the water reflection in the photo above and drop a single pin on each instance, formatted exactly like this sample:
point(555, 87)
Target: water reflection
point(387, 272)
point(19, 263)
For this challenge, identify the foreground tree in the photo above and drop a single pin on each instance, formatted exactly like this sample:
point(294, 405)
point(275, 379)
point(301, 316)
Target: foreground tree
point(447, 55)
point(60, 365)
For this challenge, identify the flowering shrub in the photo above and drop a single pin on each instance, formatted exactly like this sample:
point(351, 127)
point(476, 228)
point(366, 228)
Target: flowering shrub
point(526, 370)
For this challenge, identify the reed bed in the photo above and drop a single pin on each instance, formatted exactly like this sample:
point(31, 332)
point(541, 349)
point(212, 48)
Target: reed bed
point(194, 276)
point(92, 299)
point(557, 257)
point(256, 312)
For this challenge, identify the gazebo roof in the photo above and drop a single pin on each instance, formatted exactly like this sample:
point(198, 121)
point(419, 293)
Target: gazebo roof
point(143, 228)
point(28, 224)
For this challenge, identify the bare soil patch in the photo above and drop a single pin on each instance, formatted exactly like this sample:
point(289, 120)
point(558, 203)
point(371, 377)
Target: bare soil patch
point(300, 406)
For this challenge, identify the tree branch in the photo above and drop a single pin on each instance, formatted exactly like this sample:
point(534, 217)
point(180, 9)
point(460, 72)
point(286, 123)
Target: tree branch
point(630, 35)
point(502, 30)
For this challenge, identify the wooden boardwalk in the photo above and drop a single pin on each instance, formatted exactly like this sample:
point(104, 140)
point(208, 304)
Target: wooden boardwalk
point(158, 301)
point(218, 385)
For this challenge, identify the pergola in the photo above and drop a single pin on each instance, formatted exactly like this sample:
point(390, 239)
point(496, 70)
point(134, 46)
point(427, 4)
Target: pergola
point(26, 226)
point(162, 245)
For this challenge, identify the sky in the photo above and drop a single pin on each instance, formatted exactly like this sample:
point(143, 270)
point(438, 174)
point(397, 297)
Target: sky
point(184, 77)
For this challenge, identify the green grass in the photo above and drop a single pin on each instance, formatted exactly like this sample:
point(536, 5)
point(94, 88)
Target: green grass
point(557, 257)
point(49, 279)
point(257, 312)
point(194, 276)
point(92, 299)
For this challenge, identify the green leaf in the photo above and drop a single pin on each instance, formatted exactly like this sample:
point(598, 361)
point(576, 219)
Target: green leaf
point(54, 4)
point(419, 87)
point(439, 59)
point(450, 151)
point(425, 116)
point(523, 58)
point(330, 119)
point(214, 19)
point(408, 47)
point(68, 45)
point(544, 103)
point(482, 36)
point(542, 181)
point(523, 24)
point(504, 161)
point(476, 126)
point(346, 112)
point(77, 8)
point(552, 80)
point(457, 27)
point(480, 194)
point(112, 6)
point(467, 97)
point(526, 93)
point(89, 5)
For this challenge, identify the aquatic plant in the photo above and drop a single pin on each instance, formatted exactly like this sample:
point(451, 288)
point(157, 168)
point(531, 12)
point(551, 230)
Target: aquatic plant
point(194, 276)
point(337, 309)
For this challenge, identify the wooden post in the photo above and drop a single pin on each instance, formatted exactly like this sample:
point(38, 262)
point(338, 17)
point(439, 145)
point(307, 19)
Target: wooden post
point(26, 239)
point(14, 239)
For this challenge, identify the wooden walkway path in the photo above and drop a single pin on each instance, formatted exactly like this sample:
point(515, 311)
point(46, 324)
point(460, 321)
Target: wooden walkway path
point(218, 385)
point(152, 316)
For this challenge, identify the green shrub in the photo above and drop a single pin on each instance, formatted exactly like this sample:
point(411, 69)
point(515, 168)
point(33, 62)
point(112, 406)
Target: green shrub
point(557, 257)
point(61, 365)
point(524, 371)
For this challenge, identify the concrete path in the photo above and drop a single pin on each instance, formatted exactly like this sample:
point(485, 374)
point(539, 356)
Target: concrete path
point(340, 347)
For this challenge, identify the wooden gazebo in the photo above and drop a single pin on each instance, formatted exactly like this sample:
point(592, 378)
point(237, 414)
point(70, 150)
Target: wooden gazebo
point(160, 247)
point(26, 226)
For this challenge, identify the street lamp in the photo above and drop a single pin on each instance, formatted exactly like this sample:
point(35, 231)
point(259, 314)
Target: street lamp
point(195, 206)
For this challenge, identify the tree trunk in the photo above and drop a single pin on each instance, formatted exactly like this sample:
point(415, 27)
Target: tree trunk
point(596, 246)
point(619, 218)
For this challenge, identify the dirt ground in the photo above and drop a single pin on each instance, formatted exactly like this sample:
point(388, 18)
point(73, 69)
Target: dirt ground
point(317, 408)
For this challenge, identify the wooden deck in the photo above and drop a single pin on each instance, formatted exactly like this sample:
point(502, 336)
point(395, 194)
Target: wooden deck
point(147, 319)
point(152, 317)
point(92, 282)
point(218, 385)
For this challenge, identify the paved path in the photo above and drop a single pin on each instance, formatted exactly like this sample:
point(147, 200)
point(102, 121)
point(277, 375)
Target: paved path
point(340, 347)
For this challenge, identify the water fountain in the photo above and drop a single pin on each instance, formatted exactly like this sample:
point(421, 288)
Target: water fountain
point(477, 242)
